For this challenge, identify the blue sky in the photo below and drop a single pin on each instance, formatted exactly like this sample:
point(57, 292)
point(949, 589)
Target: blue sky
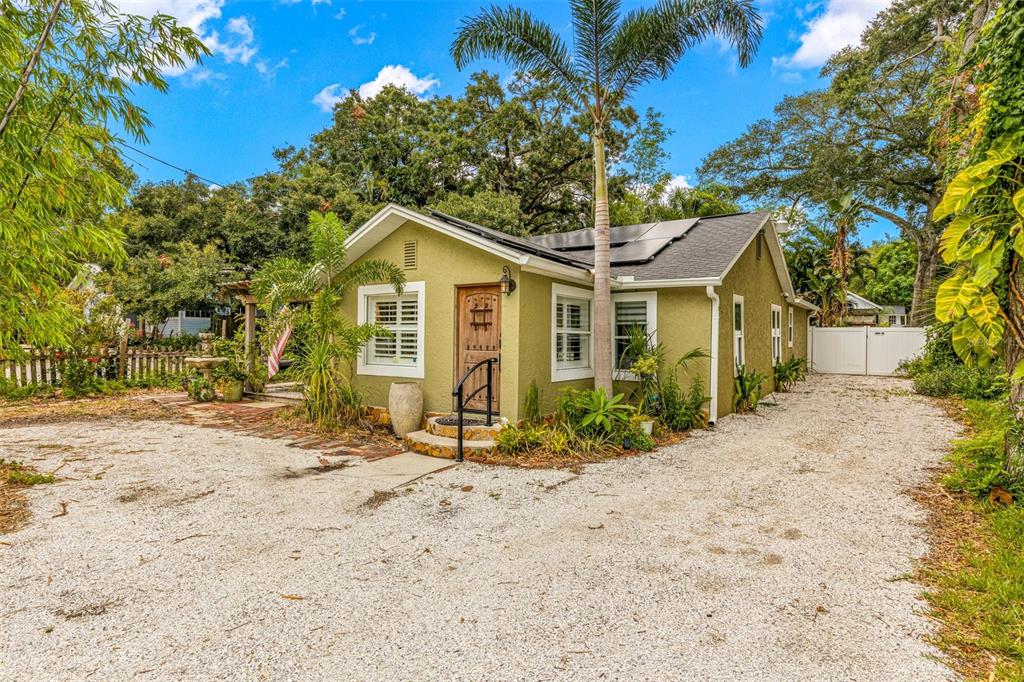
point(278, 63)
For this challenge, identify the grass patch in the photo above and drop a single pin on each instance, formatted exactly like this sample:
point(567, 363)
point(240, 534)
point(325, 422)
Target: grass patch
point(975, 571)
point(14, 478)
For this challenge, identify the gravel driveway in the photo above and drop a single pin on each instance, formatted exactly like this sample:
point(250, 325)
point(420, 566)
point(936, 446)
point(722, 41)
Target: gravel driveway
point(775, 547)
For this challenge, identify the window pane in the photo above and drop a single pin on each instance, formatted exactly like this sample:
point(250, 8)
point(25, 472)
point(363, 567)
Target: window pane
point(737, 316)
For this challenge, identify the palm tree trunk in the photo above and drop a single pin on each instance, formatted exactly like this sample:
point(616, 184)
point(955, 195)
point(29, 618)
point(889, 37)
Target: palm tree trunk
point(602, 274)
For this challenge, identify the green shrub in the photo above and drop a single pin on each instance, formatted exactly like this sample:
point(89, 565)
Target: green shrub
point(747, 388)
point(971, 383)
point(200, 389)
point(979, 460)
point(683, 411)
point(635, 439)
point(789, 372)
point(516, 440)
point(531, 405)
point(78, 377)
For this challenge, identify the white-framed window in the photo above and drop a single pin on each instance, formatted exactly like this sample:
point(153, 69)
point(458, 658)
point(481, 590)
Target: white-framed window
point(776, 334)
point(738, 329)
point(639, 309)
point(789, 327)
point(399, 354)
point(572, 325)
point(897, 320)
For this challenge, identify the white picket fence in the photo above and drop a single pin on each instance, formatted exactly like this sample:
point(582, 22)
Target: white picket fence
point(876, 351)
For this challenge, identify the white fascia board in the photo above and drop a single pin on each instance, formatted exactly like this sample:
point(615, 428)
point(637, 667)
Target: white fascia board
point(666, 283)
point(393, 216)
point(542, 266)
point(806, 305)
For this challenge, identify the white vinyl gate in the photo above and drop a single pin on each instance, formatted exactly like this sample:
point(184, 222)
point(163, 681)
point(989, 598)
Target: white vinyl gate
point(863, 350)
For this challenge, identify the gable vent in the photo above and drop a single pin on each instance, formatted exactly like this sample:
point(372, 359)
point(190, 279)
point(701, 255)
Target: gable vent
point(409, 255)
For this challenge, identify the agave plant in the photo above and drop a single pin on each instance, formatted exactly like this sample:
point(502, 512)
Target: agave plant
point(329, 341)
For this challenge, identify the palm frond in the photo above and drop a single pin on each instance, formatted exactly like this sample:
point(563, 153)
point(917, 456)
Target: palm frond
point(279, 282)
point(371, 272)
point(516, 36)
point(650, 41)
point(593, 23)
point(327, 238)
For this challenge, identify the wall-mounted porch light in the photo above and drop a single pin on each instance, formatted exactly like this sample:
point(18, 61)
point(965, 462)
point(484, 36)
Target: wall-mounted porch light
point(508, 285)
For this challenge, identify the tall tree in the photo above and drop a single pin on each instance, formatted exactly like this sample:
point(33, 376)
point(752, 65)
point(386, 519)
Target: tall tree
point(66, 72)
point(871, 131)
point(984, 242)
point(612, 56)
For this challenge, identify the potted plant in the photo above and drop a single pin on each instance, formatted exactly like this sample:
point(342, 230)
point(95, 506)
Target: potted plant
point(230, 378)
point(230, 375)
point(644, 422)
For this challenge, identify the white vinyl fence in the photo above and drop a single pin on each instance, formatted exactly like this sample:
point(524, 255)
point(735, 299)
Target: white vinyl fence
point(863, 350)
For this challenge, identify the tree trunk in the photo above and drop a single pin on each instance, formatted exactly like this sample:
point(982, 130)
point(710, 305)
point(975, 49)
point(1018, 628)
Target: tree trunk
point(602, 272)
point(1013, 353)
point(922, 309)
point(26, 73)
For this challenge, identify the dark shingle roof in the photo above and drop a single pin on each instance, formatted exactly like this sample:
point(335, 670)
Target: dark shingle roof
point(706, 250)
point(701, 248)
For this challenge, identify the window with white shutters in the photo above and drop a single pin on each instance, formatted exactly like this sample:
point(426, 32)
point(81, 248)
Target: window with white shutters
point(400, 351)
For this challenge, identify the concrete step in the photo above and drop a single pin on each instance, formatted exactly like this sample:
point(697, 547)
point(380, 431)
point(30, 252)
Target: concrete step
point(427, 443)
point(288, 397)
point(470, 430)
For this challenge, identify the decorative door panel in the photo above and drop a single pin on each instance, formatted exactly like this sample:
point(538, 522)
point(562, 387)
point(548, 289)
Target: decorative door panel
point(479, 338)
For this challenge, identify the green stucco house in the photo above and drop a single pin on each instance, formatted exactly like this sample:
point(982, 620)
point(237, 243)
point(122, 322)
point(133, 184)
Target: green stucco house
point(717, 283)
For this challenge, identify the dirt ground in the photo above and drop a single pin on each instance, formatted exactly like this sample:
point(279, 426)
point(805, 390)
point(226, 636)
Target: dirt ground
point(778, 546)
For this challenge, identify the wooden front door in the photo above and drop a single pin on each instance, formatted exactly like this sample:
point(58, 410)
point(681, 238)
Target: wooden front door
point(478, 337)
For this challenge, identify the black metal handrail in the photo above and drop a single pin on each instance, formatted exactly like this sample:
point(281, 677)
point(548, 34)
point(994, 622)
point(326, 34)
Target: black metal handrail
point(461, 400)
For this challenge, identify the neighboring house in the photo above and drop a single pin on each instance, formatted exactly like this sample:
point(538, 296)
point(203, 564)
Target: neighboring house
point(894, 315)
point(717, 283)
point(186, 322)
point(860, 312)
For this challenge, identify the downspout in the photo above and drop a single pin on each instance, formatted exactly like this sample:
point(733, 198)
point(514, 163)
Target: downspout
point(713, 383)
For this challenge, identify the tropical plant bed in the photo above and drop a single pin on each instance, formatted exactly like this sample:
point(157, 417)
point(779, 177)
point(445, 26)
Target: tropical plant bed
point(974, 572)
point(544, 458)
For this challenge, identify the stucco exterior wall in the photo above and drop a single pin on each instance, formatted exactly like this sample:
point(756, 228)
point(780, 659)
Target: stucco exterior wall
point(754, 279)
point(444, 263)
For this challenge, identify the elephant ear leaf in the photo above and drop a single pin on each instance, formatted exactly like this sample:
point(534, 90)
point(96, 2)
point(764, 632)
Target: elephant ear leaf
point(1018, 242)
point(953, 235)
point(1018, 201)
point(953, 297)
point(986, 264)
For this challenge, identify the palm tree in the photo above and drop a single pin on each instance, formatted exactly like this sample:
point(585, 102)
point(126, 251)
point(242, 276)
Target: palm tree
point(329, 340)
point(611, 56)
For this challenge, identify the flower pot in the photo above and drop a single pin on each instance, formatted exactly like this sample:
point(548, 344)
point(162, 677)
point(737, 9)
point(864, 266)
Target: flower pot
point(647, 426)
point(405, 402)
point(231, 391)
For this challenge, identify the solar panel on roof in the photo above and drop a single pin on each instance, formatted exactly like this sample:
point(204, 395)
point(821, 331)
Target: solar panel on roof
point(639, 251)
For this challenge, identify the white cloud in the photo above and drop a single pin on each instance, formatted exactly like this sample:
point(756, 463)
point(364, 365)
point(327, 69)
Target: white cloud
point(268, 71)
point(838, 26)
point(328, 97)
point(239, 49)
point(400, 76)
point(197, 15)
point(361, 40)
point(678, 182)
point(393, 74)
point(339, 15)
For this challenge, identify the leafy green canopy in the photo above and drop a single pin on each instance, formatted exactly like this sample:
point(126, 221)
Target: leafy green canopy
point(869, 132)
point(66, 72)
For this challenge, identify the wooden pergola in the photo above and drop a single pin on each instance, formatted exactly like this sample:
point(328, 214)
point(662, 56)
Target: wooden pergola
point(240, 290)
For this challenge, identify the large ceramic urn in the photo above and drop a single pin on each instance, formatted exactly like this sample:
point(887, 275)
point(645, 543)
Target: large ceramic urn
point(405, 403)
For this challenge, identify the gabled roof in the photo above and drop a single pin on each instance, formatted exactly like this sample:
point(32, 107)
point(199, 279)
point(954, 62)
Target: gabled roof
point(673, 253)
point(860, 303)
